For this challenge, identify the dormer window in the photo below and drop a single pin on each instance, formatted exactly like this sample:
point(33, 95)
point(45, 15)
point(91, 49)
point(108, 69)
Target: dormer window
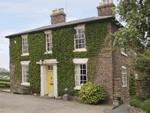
point(48, 43)
point(79, 39)
point(25, 45)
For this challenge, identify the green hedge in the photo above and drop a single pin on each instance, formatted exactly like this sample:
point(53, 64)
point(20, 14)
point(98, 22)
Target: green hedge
point(2, 79)
point(5, 84)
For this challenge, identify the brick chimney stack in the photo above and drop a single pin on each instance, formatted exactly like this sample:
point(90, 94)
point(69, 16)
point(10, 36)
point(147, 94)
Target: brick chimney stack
point(105, 8)
point(58, 16)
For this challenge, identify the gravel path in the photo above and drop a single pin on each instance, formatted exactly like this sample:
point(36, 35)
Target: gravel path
point(16, 103)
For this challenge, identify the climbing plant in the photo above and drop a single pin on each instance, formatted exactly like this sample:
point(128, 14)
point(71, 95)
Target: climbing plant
point(63, 46)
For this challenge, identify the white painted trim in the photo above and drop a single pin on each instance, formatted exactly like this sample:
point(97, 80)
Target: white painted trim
point(24, 36)
point(25, 54)
point(48, 52)
point(124, 86)
point(44, 76)
point(48, 32)
point(25, 83)
point(123, 67)
point(25, 62)
point(77, 87)
point(80, 27)
point(80, 60)
point(79, 50)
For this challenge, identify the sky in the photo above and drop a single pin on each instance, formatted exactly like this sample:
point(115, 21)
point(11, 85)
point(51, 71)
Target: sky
point(21, 15)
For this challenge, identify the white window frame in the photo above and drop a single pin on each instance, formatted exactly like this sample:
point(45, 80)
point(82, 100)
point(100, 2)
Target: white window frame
point(123, 77)
point(48, 32)
point(77, 62)
point(24, 63)
point(23, 37)
point(136, 76)
point(79, 49)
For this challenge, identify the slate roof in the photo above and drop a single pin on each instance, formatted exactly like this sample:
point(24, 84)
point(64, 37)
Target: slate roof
point(60, 25)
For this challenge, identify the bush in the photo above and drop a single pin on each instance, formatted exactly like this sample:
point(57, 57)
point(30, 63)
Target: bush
point(6, 80)
point(92, 93)
point(148, 96)
point(146, 105)
point(136, 101)
point(6, 84)
point(132, 87)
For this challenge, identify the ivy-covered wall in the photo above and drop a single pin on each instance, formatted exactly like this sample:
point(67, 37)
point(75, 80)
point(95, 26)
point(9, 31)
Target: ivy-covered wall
point(63, 46)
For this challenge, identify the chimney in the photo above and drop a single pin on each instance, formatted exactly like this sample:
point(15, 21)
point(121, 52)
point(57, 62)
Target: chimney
point(105, 8)
point(58, 16)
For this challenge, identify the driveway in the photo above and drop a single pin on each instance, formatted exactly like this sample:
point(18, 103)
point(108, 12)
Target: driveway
point(16, 103)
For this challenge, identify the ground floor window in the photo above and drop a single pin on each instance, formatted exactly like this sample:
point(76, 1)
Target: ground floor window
point(124, 76)
point(25, 72)
point(80, 74)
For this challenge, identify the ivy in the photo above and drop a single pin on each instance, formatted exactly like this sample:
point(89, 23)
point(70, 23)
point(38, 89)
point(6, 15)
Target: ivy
point(63, 46)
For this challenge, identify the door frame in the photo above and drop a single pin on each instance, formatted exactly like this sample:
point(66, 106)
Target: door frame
point(43, 75)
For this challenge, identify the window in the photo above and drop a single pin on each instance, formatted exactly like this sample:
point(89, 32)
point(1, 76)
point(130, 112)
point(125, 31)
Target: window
point(24, 45)
point(79, 40)
point(124, 76)
point(136, 76)
point(25, 71)
point(49, 45)
point(49, 42)
point(80, 72)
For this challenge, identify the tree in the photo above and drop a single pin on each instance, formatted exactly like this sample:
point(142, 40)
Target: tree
point(135, 34)
point(132, 87)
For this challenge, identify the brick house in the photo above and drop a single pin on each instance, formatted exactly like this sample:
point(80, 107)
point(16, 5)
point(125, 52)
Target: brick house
point(113, 73)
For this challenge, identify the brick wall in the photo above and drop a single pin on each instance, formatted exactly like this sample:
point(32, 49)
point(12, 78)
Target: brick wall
point(105, 10)
point(142, 89)
point(105, 70)
point(12, 82)
point(58, 18)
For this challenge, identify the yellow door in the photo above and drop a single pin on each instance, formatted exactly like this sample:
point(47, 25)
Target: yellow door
point(50, 80)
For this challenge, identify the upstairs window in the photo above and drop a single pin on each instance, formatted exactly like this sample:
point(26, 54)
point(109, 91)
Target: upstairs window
point(25, 45)
point(79, 39)
point(48, 41)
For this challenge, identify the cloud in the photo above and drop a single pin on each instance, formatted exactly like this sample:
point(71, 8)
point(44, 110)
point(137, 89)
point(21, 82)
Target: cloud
point(71, 19)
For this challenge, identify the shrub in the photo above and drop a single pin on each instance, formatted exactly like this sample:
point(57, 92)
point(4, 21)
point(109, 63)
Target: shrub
point(92, 93)
point(6, 80)
point(136, 101)
point(148, 96)
point(146, 105)
point(132, 87)
point(5, 84)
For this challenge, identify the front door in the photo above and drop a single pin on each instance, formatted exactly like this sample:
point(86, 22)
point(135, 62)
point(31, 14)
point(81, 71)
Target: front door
point(50, 79)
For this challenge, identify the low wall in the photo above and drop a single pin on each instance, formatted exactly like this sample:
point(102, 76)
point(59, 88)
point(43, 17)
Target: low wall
point(136, 110)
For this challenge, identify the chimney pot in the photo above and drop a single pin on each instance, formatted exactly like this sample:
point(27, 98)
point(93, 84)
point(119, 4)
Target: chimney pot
point(104, 2)
point(107, 1)
point(111, 1)
point(100, 4)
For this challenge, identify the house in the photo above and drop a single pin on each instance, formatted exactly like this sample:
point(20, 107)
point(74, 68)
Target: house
point(66, 54)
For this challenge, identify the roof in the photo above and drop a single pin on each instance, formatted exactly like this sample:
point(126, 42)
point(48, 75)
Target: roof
point(60, 25)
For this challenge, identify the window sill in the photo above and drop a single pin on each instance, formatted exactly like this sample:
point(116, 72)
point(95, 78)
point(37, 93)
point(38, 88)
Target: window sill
point(124, 86)
point(25, 54)
point(79, 50)
point(77, 88)
point(48, 52)
point(124, 54)
point(25, 84)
